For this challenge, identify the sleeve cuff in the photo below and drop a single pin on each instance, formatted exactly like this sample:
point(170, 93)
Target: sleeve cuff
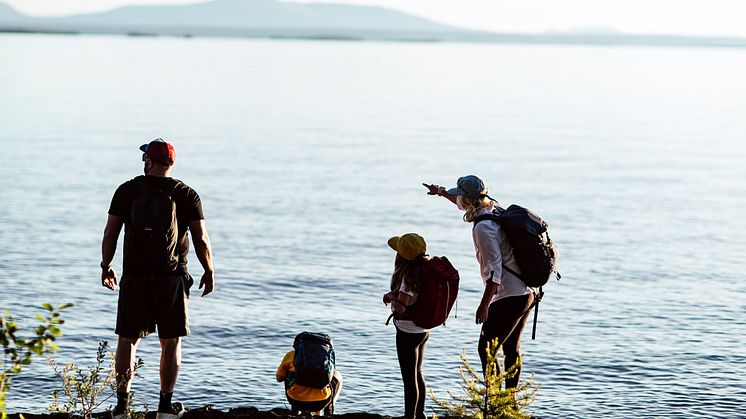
point(494, 276)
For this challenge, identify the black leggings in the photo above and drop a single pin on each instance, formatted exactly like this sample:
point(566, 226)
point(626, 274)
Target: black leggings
point(505, 321)
point(410, 348)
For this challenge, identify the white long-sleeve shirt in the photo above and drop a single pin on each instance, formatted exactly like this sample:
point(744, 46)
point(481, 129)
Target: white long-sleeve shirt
point(408, 326)
point(493, 249)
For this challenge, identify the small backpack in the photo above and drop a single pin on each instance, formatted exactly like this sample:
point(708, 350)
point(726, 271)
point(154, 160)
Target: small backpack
point(314, 360)
point(152, 232)
point(534, 251)
point(438, 291)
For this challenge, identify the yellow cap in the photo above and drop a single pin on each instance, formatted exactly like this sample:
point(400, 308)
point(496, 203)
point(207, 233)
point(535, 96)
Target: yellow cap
point(409, 245)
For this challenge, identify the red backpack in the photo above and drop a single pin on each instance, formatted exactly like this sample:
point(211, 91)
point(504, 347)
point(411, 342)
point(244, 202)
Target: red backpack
point(438, 292)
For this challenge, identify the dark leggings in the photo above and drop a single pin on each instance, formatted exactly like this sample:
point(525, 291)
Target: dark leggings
point(410, 348)
point(505, 321)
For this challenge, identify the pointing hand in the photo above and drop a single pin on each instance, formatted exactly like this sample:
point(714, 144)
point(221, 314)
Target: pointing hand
point(433, 189)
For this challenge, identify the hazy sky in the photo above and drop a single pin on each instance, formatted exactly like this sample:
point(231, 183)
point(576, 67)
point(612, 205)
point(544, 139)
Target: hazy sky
point(683, 17)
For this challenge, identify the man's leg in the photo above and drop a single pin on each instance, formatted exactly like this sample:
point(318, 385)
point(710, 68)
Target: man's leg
point(170, 362)
point(124, 362)
point(124, 365)
point(173, 323)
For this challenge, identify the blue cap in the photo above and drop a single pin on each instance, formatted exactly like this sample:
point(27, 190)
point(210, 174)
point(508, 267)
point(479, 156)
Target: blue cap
point(470, 186)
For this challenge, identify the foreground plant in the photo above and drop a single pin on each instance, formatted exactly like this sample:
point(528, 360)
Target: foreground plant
point(83, 388)
point(484, 397)
point(18, 352)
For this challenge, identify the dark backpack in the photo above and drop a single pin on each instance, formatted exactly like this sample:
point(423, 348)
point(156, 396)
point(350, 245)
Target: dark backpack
point(314, 359)
point(533, 250)
point(152, 231)
point(438, 291)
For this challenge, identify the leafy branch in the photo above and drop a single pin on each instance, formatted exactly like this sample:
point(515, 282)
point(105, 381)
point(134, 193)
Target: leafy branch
point(18, 351)
point(83, 388)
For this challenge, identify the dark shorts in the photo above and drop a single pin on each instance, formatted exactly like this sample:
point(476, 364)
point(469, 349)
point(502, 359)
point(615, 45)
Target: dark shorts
point(314, 406)
point(147, 301)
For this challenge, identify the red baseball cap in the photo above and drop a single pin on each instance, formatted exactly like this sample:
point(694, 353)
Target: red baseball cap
point(160, 152)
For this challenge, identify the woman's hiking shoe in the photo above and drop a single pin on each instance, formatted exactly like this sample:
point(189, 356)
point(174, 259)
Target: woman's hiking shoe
point(177, 411)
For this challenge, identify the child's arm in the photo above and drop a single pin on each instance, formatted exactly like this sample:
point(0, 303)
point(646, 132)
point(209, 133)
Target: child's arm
point(282, 370)
point(402, 301)
point(389, 297)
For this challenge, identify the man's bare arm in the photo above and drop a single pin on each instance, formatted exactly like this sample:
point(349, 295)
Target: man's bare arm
point(108, 249)
point(202, 247)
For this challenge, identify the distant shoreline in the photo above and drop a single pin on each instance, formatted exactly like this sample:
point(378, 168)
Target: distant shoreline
point(372, 36)
point(209, 413)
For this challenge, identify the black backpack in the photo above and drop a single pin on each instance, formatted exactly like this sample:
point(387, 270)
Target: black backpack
point(314, 359)
point(153, 230)
point(534, 251)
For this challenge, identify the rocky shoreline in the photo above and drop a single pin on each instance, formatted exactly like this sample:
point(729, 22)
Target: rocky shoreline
point(210, 413)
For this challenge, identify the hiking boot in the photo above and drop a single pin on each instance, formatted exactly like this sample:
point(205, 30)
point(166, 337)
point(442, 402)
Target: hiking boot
point(177, 411)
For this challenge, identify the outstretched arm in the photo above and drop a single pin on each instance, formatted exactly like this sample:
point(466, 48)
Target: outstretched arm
point(108, 248)
point(433, 189)
point(204, 253)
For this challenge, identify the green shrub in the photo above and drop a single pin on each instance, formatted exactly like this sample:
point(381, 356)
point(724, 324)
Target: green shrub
point(83, 388)
point(18, 352)
point(484, 397)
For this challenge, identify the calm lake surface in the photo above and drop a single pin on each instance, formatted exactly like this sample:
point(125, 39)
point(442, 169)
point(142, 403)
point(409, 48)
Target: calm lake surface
point(308, 156)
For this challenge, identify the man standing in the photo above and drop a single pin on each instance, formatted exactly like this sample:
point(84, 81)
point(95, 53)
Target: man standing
point(156, 211)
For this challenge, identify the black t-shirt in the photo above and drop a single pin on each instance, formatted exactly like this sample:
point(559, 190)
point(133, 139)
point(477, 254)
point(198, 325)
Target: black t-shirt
point(188, 208)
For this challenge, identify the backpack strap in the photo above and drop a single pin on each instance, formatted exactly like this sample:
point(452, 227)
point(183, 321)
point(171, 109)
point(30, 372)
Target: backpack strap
point(493, 216)
point(537, 300)
point(289, 380)
point(535, 305)
point(142, 184)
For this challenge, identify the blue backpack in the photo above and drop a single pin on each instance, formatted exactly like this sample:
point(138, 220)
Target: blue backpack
point(314, 359)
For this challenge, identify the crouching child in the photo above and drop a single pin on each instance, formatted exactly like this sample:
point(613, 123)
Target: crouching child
point(312, 383)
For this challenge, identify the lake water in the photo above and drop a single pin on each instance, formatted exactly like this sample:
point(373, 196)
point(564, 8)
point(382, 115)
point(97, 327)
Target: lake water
point(309, 155)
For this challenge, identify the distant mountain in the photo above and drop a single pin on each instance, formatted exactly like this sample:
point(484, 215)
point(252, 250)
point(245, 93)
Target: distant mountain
point(275, 19)
point(10, 15)
point(587, 30)
point(243, 14)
